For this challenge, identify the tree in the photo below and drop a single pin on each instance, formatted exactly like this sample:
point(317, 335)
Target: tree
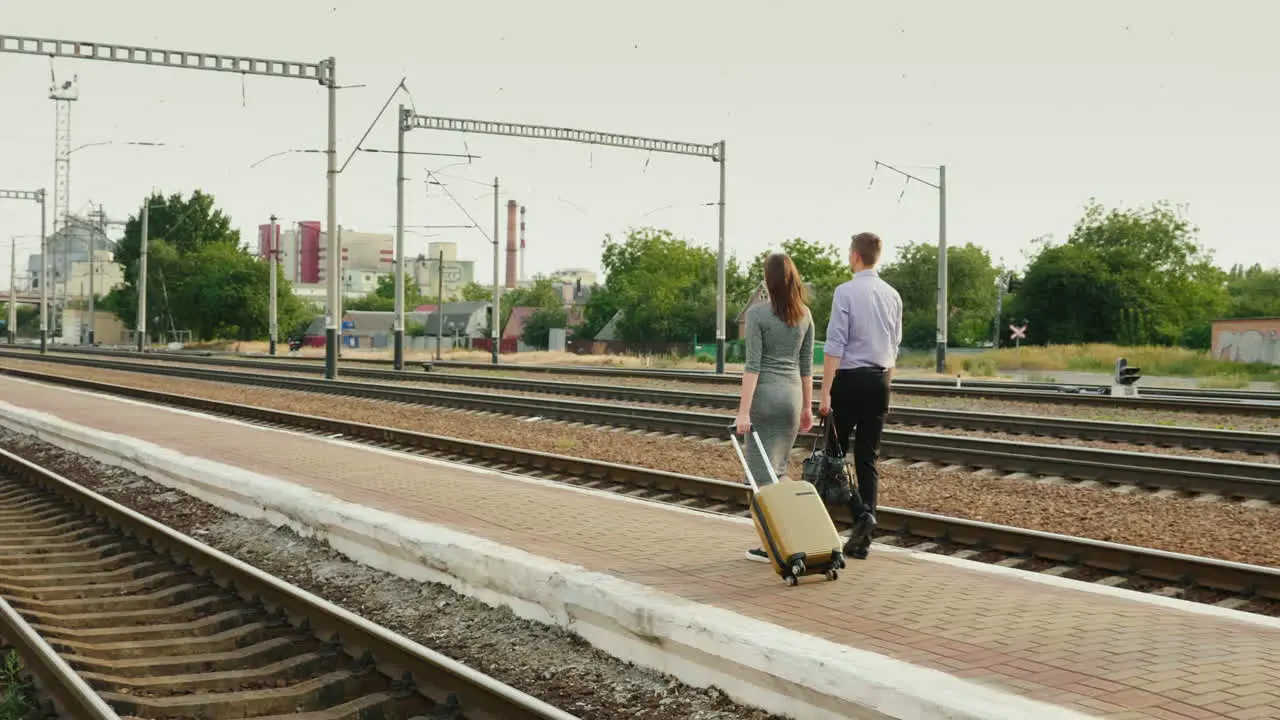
point(542, 294)
point(665, 286)
point(475, 292)
point(823, 267)
point(971, 293)
point(1066, 297)
point(1126, 276)
point(537, 329)
point(601, 306)
point(28, 319)
point(199, 277)
point(1253, 292)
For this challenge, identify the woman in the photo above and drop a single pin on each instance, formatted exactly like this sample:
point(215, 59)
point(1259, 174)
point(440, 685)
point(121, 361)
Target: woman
point(777, 384)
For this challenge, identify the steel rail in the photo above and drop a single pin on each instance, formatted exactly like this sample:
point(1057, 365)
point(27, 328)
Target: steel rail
point(1160, 391)
point(723, 497)
point(446, 681)
point(899, 383)
point(70, 694)
point(1159, 435)
point(1153, 470)
point(1181, 401)
point(1111, 431)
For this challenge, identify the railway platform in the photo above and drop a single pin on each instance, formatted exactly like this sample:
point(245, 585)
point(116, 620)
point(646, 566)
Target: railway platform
point(901, 635)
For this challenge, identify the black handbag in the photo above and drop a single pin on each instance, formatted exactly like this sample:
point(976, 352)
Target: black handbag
point(827, 469)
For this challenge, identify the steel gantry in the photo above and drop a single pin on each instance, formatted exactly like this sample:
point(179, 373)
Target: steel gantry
point(324, 72)
point(37, 196)
point(411, 121)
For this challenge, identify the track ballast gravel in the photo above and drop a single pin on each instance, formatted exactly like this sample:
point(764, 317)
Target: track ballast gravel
point(546, 662)
point(1224, 421)
point(1229, 531)
point(1044, 411)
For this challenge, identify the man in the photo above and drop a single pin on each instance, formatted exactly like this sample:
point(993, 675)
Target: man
point(861, 350)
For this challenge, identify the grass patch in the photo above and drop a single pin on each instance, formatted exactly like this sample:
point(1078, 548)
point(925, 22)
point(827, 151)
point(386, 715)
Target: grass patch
point(980, 367)
point(566, 443)
point(1165, 361)
point(16, 694)
point(1224, 381)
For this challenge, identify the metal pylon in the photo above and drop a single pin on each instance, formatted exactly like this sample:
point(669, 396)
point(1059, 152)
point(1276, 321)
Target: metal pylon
point(63, 94)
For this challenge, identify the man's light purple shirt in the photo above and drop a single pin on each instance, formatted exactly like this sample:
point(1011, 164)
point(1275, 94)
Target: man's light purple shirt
point(865, 329)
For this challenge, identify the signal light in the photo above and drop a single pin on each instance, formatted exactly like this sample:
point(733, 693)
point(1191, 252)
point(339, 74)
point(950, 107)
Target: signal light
point(1126, 378)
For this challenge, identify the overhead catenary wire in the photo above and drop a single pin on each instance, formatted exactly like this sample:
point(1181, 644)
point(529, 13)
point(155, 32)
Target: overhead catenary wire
point(461, 207)
point(387, 104)
point(368, 150)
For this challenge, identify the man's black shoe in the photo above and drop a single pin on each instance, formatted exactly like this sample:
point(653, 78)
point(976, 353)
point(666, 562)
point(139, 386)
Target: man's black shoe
point(860, 537)
point(863, 528)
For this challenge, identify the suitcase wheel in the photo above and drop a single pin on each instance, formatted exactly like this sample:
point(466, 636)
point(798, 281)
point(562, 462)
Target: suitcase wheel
point(833, 574)
point(797, 568)
point(791, 581)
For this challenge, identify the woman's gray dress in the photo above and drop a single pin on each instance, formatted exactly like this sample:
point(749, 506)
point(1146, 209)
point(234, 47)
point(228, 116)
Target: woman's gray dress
point(781, 355)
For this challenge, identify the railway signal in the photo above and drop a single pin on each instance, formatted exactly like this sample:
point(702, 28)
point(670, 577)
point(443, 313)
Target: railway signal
point(1017, 334)
point(1126, 379)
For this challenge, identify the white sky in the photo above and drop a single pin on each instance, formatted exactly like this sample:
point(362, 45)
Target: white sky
point(1034, 107)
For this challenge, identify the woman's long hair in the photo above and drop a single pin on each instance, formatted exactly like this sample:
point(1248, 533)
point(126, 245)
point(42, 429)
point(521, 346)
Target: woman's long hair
point(786, 291)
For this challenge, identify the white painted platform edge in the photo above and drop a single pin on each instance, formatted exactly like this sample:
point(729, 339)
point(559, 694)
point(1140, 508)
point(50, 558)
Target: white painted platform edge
point(1179, 604)
point(552, 591)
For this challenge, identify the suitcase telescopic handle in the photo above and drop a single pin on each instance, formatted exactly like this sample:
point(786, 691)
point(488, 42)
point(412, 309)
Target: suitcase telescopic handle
point(733, 430)
point(733, 439)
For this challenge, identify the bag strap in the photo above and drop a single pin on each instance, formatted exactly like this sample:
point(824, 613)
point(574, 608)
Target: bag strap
point(830, 436)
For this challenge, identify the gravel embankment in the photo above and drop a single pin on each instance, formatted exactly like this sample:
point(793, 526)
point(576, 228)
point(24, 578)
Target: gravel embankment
point(546, 662)
point(1224, 530)
point(1012, 407)
point(1043, 410)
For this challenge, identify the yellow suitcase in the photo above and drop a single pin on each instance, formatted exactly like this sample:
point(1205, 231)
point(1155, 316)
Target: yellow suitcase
point(793, 524)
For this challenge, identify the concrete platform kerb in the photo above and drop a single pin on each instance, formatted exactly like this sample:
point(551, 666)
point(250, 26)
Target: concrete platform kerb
point(785, 672)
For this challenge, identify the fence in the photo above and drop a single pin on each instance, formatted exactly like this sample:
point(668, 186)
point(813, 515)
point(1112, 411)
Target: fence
point(735, 351)
point(507, 345)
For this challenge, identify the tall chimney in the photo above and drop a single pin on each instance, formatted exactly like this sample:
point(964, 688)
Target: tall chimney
point(523, 251)
point(511, 244)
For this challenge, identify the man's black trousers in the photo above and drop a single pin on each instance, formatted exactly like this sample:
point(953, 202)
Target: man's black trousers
point(860, 402)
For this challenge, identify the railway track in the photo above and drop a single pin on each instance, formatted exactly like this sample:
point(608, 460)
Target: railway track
point(1250, 481)
point(1049, 427)
point(901, 384)
point(121, 616)
point(1110, 431)
point(1165, 399)
point(1247, 587)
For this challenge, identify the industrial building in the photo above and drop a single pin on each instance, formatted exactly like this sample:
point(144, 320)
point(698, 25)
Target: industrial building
point(366, 257)
point(69, 263)
point(426, 269)
point(304, 252)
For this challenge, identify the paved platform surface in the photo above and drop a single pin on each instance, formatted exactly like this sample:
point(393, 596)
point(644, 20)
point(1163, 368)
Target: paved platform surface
point(1108, 656)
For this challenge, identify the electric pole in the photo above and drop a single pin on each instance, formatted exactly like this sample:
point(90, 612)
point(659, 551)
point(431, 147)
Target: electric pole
point(93, 247)
point(13, 290)
point(333, 325)
point(494, 332)
point(142, 280)
point(1002, 286)
point(943, 307)
point(273, 240)
point(720, 274)
point(44, 277)
point(439, 303)
point(944, 313)
point(397, 327)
